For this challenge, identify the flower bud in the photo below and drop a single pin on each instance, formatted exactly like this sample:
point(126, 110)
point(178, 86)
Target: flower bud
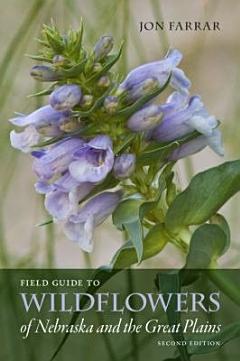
point(145, 119)
point(59, 60)
point(136, 83)
point(69, 126)
point(124, 165)
point(104, 82)
point(65, 97)
point(86, 101)
point(44, 73)
point(97, 67)
point(111, 104)
point(139, 90)
point(103, 47)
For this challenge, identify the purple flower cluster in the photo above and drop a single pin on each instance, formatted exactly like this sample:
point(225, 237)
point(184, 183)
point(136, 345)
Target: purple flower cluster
point(68, 172)
point(70, 169)
point(49, 121)
point(179, 117)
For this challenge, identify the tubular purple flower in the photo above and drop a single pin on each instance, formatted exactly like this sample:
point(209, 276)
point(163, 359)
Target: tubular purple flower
point(64, 183)
point(65, 97)
point(44, 73)
point(159, 71)
point(214, 141)
point(124, 165)
point(56, 159)
point(58, 205)
point(62, 203)
point(25, 140)
point(80, 227)
point(145, 119)
point(45, 119)
point(103, 47)
point(93, 161)
point(182, 115)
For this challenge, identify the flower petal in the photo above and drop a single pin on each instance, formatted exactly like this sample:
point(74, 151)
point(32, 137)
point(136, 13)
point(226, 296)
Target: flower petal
point(203, 125)
point(100, 206)
point(101, 142)
point(82, 233)
point(65, 97)
point(191, 147)
point(57, 158)
point(43, 116)
point(87, 170)
point(43, 187)
point(57, 204)
point(215, 142)
point(24, 140)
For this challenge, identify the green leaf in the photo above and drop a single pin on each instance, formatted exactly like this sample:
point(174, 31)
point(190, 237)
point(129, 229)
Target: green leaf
point(135, 233)
point(49, 221)
point(156, 152)
point(153, 243)
point(169, 282)
point(208, 243)
point(159, 151)
point(126, 142)
point(206, 193)
point(126, 216)
point(221, 222)
point(126, 212)
point(229, 333)
point(46, 91)
point(73, 71)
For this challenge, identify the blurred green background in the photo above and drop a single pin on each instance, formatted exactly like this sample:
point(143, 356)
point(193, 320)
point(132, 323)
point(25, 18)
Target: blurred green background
point(211, 60)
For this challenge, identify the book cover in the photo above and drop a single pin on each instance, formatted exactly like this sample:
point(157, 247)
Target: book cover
point(120, 179)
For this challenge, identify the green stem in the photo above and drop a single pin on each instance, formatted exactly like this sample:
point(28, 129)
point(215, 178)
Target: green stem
point(134, 352)
point(4, 259)
point(16, 41)
point(156, 6)
point(87, 260)
point(124, 63)
point(217, 276)
point(106, 339)
point(188, 166)
point(108, 345)
point(225, 284)
point(50, 245)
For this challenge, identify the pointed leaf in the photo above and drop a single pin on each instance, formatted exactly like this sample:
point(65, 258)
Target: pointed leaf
point(126, 216)
point(153, 243)
point(207, 244)
point(206, 193)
